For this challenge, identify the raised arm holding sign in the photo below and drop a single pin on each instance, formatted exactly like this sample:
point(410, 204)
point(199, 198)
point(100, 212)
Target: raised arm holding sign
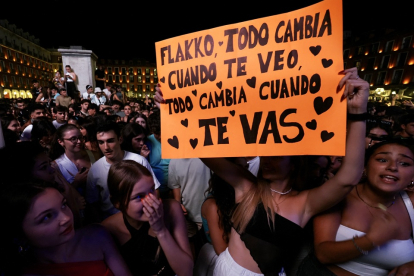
point(265, 87)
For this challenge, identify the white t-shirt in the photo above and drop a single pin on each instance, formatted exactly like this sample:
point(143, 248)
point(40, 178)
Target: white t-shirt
point(27, 133)
point(97, 183)
point(58, 125)
point(191, 176)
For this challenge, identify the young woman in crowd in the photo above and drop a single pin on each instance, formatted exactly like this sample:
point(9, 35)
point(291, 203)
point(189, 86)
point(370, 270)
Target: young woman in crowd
point(152, 234)
point(40, 239)
point(127, 111)
point(70, 156)
point(10, 122)
point(267, 224)
point(29, 161)
point(142, 120)
point(371, 232)
point(42, 132)
point(44, 96)
point(133, 139)
point(88, 130)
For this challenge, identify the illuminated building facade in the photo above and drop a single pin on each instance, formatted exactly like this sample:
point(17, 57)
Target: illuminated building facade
point(21, 61)
point(385, 59)
point(137, 77)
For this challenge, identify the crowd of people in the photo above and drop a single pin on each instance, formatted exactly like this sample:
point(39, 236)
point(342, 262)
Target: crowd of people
point(85, 191)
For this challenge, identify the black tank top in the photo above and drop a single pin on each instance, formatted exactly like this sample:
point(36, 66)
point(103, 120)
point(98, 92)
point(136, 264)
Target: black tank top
point(143, 253)
point(273, 248)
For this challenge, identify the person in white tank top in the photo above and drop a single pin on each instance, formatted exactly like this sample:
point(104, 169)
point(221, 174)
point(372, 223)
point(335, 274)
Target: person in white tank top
point(371, 232)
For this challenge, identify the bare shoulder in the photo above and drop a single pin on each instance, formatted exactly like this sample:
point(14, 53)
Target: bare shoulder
point(93, 232)
point(171, 206)
point(410, 195)
point(209, 204)
point(113, 223)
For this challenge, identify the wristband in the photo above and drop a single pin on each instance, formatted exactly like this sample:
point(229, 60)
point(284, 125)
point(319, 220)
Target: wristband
point(363, 252)
point(357, 117)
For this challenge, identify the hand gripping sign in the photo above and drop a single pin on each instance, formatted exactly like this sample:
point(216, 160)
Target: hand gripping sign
point(257, 88)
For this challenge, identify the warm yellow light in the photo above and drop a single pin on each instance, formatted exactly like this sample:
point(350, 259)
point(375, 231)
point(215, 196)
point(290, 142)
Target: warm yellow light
point(14, 59)
point(6, 57)
point(375, 68)
point(55, 70)
point(371, 85)
point(362, 69)
point(151, 74)
point(127, 81)
point(386, 83)
point(390, 67)
point(380, 51)
point(366, 53)
point(406, 82)
point(350, 56)
point(396, 49)
point(135, 74)
point(143, 73)
point(106, 72)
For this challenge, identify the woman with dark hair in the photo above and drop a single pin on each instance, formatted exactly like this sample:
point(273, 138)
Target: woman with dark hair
point(267, 224)
point(152, 234)
point(142, 120)
point(28, 161)
point(88, 130)
point(134, 138)
point(42, 132)
point(11, 129)
point(70, 156)
point(127, 111)
point(371, 233)
point(44, 96)
point(39, 238)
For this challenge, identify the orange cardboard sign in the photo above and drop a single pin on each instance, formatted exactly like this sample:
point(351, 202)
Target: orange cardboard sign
point(258, 88)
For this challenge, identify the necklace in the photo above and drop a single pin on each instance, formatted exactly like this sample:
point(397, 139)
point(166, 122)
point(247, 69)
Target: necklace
point(285, 193)
point(392, 203)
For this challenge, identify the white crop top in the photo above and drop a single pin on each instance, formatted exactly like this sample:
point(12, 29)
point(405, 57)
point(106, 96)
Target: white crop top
point(380, 261)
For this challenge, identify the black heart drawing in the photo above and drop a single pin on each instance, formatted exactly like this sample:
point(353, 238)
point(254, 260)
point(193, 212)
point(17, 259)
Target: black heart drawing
point(326, 62)
point(173, 142)
point(251, 82)
point(219, 84)
point(194, 142)
point(325, 136)
point(311, 125)
point(315, 49)
point(321, 105)
point(220, 43)
point(232, 112)
point(194, 92)
point(184, 122)
point(162, 79)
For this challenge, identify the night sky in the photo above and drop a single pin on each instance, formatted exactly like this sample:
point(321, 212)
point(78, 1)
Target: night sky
point(131, 28)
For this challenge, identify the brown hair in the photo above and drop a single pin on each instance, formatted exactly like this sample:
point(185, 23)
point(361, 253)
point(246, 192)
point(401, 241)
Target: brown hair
point(122, 178)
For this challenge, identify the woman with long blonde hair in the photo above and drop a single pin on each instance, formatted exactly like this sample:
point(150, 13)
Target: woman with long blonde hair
point(267, 224)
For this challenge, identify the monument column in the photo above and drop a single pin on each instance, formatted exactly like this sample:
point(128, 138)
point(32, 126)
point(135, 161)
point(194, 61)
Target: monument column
point(82, 62)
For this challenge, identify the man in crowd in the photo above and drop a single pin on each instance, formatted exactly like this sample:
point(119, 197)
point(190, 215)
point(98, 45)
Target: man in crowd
point(36, 90)
point(93, 109)
point(100, 77)
point(84, 108)
point(36, 111)
point(97, 193)
point(63, 99)
point(87, 95)
point(55, 94)
point(61, 115)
